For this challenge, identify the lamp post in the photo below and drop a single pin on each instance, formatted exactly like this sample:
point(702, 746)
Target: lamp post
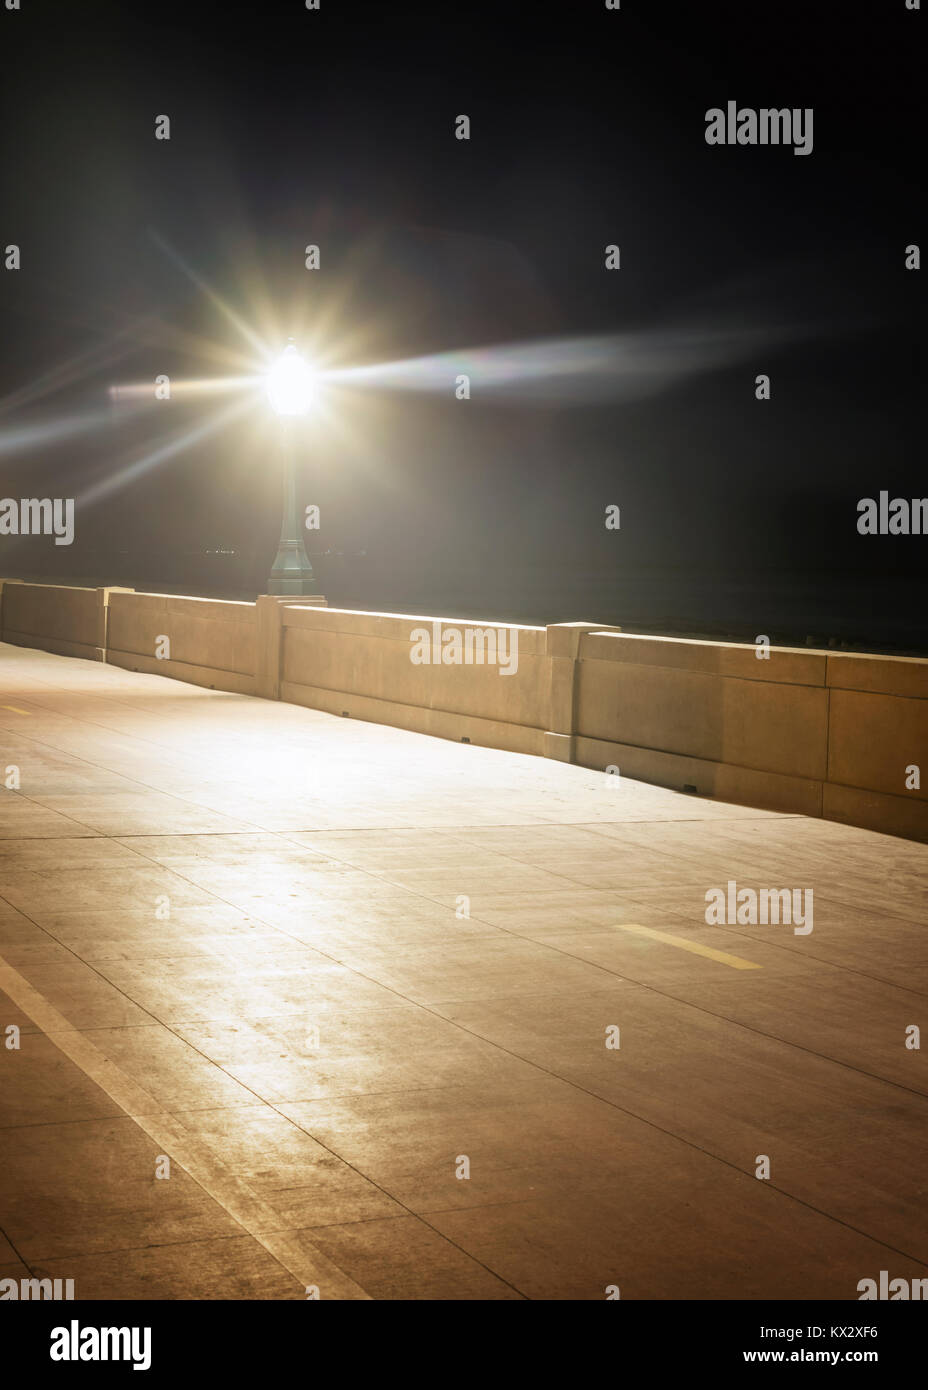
point(290, 388)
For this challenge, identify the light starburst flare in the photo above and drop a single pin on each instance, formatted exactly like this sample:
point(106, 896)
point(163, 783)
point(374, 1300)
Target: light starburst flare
point(290, 383)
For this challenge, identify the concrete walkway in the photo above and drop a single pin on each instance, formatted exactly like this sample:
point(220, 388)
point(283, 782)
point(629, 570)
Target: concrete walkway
point(319, 971)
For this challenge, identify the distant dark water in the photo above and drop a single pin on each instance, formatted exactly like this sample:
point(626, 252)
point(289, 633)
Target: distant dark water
point(853, 609)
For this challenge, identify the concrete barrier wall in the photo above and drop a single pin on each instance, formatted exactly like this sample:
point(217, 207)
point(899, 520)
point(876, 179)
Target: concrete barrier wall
point(67, 621)
point(209, 642)
point(706, 715)
point(843, 736)
point(360, 664)
point(877, 737)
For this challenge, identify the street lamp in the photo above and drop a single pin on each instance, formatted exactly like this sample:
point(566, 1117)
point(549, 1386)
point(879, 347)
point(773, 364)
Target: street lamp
point(290, 383)
point(290, 389)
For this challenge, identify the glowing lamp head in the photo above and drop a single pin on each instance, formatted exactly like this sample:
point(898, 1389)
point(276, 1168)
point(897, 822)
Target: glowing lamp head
point(290, 383)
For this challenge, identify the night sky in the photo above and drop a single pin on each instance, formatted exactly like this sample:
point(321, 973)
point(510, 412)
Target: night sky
point(336, 127)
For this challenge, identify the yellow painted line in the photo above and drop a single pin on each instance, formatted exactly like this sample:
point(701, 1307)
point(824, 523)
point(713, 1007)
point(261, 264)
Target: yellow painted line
point(299, 1257)
point(15, 709)
point(736, 962)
